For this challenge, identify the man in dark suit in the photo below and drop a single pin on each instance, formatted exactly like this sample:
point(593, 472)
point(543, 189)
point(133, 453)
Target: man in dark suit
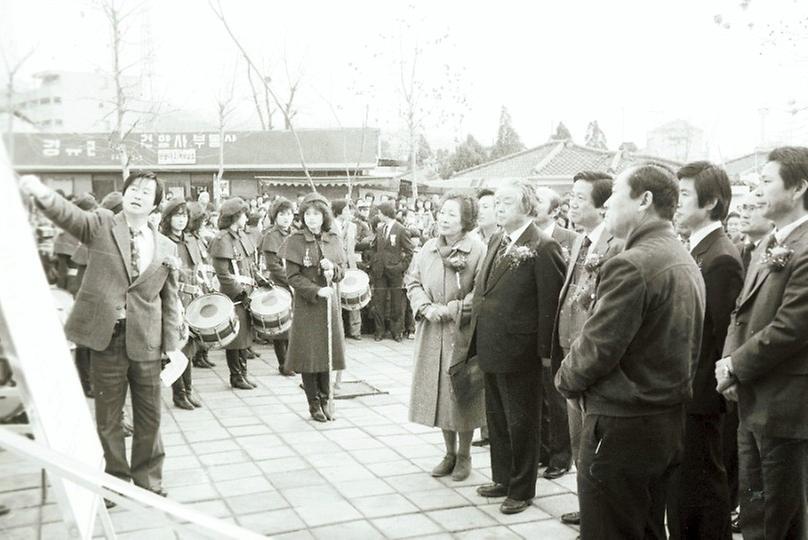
point(555, 452)
point(754, 227)
point(515, 300)
point(766, 367)
point(127, 314)
point(549, 202)
point(391, 252)
point(698, 504)
point(632, 366)
point(590, 190)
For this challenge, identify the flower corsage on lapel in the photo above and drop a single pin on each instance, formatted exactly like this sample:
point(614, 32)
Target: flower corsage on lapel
point(458, 260)
point(520, 254)
point(776, 256)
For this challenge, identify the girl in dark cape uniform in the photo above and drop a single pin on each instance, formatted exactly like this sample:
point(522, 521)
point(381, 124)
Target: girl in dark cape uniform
point(314, 259)
point(197, 216)
point(173, 225)
point(232, 256)
point(282, 215)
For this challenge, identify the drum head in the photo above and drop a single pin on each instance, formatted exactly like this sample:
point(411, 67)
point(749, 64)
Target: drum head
point(209, 310)
point(265, 302)
point(354, 281)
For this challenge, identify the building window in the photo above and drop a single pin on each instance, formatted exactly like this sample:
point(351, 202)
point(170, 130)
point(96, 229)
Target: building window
point(58, 122)
point(45, 123)
point(44, 101)
point(57, 100)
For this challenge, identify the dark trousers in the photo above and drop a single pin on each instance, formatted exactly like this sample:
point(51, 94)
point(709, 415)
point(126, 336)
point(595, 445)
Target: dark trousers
point(384, 285)
point(729, 451)
point(316, 384)
point(112, 372)
point(555, 428)
point(773, 487)
point(626, 464)
point(513, 415)
point(280, 346)
point(698, 501)
point(83, 366)
point(184, 383)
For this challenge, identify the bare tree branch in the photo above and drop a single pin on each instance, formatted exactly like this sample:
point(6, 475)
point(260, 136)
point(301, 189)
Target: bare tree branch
point(255, 98)
point(220, 15)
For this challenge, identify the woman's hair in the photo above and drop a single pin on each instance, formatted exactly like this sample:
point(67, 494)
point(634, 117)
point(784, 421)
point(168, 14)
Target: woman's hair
point(226, 221)
point(468, 208)
point(281, 204)
point(321, 207)
point(197, 216)
point(165, 222)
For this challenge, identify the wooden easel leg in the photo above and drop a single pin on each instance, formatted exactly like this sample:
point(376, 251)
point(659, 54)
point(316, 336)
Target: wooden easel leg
point(106, 522)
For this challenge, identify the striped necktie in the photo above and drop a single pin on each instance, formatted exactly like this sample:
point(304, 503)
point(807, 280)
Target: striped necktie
point(135, 252)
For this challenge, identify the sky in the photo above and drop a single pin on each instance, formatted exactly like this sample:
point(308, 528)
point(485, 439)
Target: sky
point(734, 68)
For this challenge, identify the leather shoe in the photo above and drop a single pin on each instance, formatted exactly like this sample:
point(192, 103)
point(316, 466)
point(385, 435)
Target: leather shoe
point(181, 402)
point(159, 491)
point(512, 506)
point(571, 518)
point(551, 473)
point(355, 338)
point(240, 383)
point(286, 372)
point(377, 338)
point(462, 468)
point(193, 399)
point(481, 442)
point(109, 504)
point(492, 490)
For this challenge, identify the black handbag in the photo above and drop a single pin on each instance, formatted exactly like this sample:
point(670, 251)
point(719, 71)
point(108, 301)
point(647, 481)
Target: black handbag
point(467, 380)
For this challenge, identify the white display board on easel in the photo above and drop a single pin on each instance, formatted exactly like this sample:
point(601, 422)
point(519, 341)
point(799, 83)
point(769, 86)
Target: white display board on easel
point(32, 335)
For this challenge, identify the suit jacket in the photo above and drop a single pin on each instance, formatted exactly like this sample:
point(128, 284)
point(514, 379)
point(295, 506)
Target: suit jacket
point(768, 342)
point(153, 322)
point(566, 239)
point(391, 254)
point(722, 270)
point(514, 305)
point(606, 247)
point(637, 352)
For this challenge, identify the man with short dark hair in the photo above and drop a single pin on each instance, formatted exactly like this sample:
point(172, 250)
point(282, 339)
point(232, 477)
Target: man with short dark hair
point(548, 205)
point(590, 191)
point(127, 314)
point(766, 367)
point(631, 368)
point(391, 252)
point(698, 504)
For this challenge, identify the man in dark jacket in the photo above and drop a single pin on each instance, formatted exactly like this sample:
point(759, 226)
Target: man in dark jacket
point(699, 505)
point(391, 252)
point(513, 310)
point(766, 368)
point(632, 366)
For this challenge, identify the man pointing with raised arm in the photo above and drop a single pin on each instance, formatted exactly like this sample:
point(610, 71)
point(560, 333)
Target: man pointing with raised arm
point(126, 313)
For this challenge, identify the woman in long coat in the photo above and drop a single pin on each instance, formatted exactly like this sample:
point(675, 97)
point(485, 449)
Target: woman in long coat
point(232, 257)
point(314, 259)
point(439, 285)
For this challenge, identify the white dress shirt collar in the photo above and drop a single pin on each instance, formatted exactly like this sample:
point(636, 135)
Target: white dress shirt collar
point(514, 236)
point(697, 236)
point(783, 234)
point(594, 236)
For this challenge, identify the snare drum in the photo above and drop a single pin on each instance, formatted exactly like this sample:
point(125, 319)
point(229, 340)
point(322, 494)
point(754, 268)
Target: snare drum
point(271, 311)
point(354, 290)
point(213, 318)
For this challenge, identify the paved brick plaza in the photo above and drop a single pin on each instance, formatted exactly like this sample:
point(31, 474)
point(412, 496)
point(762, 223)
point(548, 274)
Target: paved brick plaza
point(255, 457)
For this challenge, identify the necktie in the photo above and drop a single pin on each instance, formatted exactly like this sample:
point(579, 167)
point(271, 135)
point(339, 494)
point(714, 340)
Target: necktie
point(746, 254)
point(135, 253)
point(502, 249)
point(584, 250)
